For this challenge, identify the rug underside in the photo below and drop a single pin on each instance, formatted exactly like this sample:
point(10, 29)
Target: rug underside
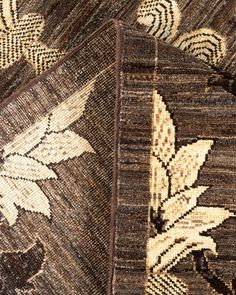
point(117, 169)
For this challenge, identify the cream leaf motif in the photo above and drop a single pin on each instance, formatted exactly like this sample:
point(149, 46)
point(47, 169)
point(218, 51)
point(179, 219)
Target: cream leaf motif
point(160, 183)
point(174, 213)
point(180, 204)
point(204, 43)
point(25, 194)
point(20, 37)
point(26, 159)
point(185, 165)
point(162, 19)
point(19, 166)
point(159, 284)
point(65, 145)
point(164, 132)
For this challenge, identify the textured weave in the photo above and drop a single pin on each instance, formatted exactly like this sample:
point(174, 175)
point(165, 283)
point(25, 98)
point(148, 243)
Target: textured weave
point(117, 165)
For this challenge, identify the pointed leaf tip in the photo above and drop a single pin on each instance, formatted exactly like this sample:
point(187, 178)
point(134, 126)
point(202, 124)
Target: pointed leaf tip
point(185, 166)
point(164, 131)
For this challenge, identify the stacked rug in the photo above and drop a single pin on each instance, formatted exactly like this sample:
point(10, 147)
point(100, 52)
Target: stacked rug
point(117, 147)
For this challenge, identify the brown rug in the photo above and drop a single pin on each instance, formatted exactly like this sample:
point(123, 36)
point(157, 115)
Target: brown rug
point(117, 164)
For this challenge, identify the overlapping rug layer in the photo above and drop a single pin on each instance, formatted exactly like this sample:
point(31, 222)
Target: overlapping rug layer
point(117, 164)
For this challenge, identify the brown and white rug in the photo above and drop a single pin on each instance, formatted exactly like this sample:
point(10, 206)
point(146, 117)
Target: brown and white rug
point(118, 161)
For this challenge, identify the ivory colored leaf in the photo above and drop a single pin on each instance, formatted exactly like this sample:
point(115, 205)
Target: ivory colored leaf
point(71, 109)
point(157, 245)
point(186, 164)
point(205, 44)
point(165, 283)
point(177, 206)
point(31, 197)
point(26, 194)
point(22, 167)
point(8, 13)
point(180, 250)
point(201, 219)
point(164, 131)
point(161, 17)
point(28, 29)
point(8, 209)
point(42, 57)
point(159, 184)
point(29, 138)
point(57, 147)
point(14, 43)
point(188, 228)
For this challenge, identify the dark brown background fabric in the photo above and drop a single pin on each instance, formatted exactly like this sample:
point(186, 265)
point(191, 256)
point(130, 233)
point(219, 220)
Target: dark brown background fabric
point(76, 237)
point(66, 26)
point(199, 110)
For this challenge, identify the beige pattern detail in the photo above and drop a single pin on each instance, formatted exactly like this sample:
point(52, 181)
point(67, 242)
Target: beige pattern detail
point(180, 204)
point(160, 185)
point(63, 146)
point(26, 159)
point(17, 166)
point(184, 168)
point(19, 37)
point(174, 202)
point(159, 284)
point(8, 13)
point(164, 132)
point(41, 57)
point(161, 17)
point(26, 194)
point(205, 44)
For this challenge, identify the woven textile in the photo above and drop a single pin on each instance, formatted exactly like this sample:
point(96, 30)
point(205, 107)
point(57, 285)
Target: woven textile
point(118, 158)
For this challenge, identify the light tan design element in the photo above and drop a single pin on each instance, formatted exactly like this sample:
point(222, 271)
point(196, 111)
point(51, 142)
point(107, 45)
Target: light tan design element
point(19, 37)
point(174, 203)
point(26, 194)
point(18, 166)
point(160, 284)
point(205, 44)
point(161, 17)
point(26, 159)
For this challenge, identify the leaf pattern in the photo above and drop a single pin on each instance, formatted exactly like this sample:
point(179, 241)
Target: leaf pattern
point(201, 219)
point(185, 166)
point(205, 44)
point(26, 194)
point(158, 284)
point(164, 131)
point(174, 212)
point(60, 146)
point(17, 166)
point(179, 205)
point(19, 37)
point(161, 19)
point(25, 160)
point(181, 249)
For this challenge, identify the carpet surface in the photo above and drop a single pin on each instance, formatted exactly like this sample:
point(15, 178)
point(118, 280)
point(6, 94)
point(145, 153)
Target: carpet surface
point(51, 29)
point(117, 147)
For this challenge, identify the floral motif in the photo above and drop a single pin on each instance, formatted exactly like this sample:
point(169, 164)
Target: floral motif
point(177, 221)
point(19, 37)
point(25, 160)
point(162, 19)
